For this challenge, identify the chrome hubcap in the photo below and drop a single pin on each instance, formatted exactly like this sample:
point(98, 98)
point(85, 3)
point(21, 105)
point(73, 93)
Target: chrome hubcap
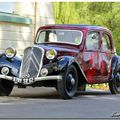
point(72, 80)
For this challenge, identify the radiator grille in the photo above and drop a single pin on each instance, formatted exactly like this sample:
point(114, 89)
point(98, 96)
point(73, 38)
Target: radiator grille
point(32, 62)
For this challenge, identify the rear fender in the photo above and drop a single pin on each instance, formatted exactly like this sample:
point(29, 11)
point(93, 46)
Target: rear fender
point(115, 67)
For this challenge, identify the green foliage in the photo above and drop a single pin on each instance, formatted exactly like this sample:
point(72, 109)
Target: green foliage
point(103, 86)
point(98, 13)
point(103, 7)
point(64, 14)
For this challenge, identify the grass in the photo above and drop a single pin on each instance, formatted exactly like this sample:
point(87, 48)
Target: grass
point(99, 86)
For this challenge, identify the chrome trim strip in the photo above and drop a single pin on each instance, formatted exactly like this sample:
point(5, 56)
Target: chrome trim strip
point(22, 63)
point(41, 62)
point(19, 80)
point(35, 65)
point(59, 77)
point(83, 73)
point(81, 69)
point(35, 59)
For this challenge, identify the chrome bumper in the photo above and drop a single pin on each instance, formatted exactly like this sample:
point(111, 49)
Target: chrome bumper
point(30, 81)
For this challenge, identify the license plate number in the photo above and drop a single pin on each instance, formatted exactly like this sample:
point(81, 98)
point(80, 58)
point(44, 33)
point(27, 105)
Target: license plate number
point(27, 81)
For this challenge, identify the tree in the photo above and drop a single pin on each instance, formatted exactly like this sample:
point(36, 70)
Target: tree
point(97, 13)
point(65, 13)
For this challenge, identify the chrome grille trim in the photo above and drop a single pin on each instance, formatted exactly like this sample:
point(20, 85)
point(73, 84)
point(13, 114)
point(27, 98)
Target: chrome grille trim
point(29, 59)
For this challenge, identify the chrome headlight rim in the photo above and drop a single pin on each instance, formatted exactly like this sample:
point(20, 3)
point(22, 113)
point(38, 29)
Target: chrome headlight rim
point(10, 52)
point(44, 72)
point(51, 54)
point(5, 70)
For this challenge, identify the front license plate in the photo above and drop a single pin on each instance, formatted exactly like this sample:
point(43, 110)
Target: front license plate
point(27, 81)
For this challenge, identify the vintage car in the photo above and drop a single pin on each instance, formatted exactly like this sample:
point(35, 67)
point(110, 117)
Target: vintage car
point(66, 57)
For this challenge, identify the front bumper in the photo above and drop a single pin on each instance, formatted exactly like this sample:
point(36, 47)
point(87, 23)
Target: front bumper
point(30, 81)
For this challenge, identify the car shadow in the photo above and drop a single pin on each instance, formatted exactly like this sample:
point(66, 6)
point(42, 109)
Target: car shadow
point(53, 94)
point(95, 92)
point(35, 93)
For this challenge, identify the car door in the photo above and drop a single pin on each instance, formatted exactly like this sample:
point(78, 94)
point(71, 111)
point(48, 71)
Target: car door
point(105, 56)
point(90, 63)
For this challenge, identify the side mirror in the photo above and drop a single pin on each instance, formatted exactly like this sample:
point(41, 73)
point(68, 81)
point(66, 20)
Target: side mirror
point(93, 36)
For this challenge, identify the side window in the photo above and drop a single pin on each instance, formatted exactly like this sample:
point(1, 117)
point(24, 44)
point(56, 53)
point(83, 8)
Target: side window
point(105, 42)
point(92, 41)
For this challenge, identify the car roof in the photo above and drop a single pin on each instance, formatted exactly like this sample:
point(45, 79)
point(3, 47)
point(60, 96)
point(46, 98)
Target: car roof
point(76, 26)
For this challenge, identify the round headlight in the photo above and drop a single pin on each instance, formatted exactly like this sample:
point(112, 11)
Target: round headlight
point(10, 52)
point(5, 70)
point(51, 54)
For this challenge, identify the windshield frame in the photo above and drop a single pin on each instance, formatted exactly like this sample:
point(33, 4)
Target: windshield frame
point(38, 33)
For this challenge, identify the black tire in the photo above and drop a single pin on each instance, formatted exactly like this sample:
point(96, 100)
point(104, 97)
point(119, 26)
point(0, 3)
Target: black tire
point(114, 85)
point(5, 87)
point(68, 86)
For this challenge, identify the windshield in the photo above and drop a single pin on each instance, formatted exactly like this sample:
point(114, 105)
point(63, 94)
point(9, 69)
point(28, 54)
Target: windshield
point(56, 35)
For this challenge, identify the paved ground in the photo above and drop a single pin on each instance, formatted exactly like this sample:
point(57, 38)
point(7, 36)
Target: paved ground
point(46, 103)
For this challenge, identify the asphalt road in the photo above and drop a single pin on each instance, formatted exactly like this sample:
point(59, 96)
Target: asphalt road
point(46, 103)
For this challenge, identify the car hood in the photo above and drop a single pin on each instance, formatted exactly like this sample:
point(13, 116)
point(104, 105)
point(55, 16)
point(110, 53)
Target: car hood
point(62, 49)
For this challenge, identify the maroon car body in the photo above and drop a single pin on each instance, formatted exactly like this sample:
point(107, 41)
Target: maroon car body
point(68, 57)
point(96, 63)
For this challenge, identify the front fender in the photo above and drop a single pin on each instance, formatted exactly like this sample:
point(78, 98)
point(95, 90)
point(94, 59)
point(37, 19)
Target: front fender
point(64, 62)
point(13, 64)
point(59, 65)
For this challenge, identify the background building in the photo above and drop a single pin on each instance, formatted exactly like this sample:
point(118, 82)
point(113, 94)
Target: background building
point(19, 22)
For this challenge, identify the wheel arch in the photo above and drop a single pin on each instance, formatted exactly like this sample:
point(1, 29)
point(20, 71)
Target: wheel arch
point(81, 77)
point(66, 61)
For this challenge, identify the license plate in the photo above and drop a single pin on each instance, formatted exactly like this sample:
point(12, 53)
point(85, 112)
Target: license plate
point(27, 81)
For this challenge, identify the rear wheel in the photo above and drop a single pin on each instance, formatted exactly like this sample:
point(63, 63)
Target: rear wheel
point(5, 87)
point(114, 84)
point(68, 86)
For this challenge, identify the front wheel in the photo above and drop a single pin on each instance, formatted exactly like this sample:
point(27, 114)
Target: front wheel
point(67, 87)
point(114, 85)
point(5, 87)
